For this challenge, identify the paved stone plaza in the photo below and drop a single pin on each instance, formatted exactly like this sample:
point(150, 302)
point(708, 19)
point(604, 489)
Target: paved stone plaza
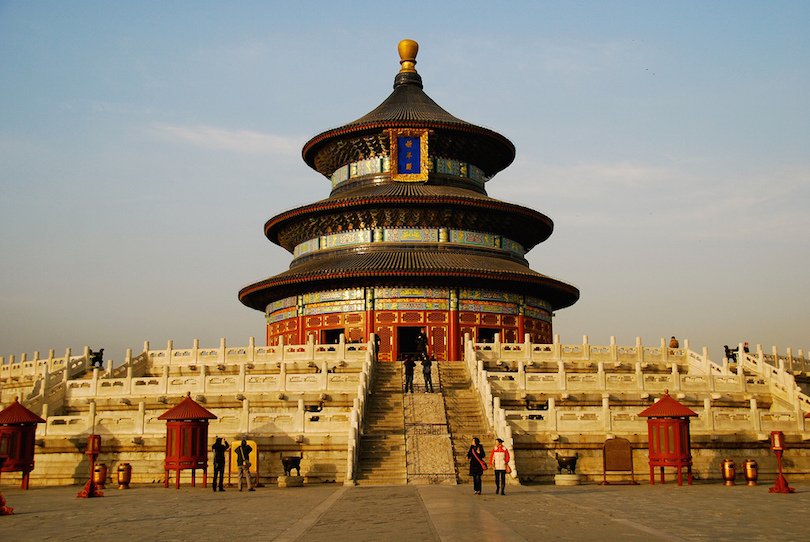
point(334, 513)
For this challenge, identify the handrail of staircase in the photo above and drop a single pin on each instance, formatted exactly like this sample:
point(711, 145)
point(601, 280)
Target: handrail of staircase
point(359, 410)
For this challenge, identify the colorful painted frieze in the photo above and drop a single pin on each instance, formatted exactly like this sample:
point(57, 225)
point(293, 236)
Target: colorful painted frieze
point(535, 302)
point(281, 304)
point(397, 293)
point(333, 295)
point(537, 314)
point(306, 247)
point(489, 295)
point(348, 238)
point(415, 305)
point(411, 235)
point(332, 307)
point(280, 315)
point(487, 306)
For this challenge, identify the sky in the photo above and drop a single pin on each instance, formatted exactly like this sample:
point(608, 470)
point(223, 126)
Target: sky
point(143, 145)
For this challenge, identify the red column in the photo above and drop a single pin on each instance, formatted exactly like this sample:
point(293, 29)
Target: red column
point(301, 332)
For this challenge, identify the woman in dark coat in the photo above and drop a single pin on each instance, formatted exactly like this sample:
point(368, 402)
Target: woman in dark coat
point(476, 455)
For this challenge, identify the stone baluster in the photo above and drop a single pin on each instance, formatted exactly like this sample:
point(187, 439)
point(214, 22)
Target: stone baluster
point(556, 348)
point(128, 362)
point(586, 348)
point(606, 412)
point(165, 379)
point(300, 416)
point(42, 428)
point(552, 414)
point(757, 423)
point(676, 376)
point(140, 419)
point(222, 351)
point(244, 419)
point(242, 377)
point(282, 377)
point(708, 414)
point(251, 350)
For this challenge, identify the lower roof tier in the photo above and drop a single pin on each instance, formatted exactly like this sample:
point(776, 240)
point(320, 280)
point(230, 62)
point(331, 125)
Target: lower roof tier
point(390, 205)
point(409, 268)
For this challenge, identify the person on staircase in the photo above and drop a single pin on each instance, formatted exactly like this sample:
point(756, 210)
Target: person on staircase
point(499, 460)
point(421, 345)
point(427, 364)
point(410, 365)
point(477, 457)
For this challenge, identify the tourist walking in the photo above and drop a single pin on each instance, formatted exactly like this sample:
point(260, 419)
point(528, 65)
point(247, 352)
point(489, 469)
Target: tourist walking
point(243, 462)
point(410, 365)
point(426, 368)
point(219, 448)
point(499, 460)
point(477, 456)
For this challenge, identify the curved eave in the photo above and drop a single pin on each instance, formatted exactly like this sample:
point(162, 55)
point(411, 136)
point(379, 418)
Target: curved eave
point(502, 150)
point(381, 266)
point(259, 295)
point(529, 238)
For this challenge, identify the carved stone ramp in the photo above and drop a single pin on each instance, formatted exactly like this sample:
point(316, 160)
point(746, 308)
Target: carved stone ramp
point(464, 414)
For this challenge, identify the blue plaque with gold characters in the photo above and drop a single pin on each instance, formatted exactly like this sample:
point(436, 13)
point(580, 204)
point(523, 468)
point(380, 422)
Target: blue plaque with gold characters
point(409, 155)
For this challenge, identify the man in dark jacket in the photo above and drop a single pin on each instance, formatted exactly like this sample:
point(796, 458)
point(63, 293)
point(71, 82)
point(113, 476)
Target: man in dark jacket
point(219, 448)
point(410, 365)
point(243, 462)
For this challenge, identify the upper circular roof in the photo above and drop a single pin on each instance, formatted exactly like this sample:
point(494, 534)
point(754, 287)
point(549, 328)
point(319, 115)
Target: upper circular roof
point(409, 107)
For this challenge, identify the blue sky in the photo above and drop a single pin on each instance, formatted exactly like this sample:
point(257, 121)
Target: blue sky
point(144, 144)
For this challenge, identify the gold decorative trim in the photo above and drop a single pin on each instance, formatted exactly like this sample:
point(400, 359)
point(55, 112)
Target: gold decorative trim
point(424, 162)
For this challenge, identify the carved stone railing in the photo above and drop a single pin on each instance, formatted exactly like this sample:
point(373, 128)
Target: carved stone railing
point(561, 369)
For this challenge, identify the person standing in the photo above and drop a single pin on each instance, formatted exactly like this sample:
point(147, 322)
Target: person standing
point(426, 368)
point(410, 365)
point(243, 462)
point(477, 455)
point(673, 342)
point(421, 345)
point(219, 448)
point(499, 460)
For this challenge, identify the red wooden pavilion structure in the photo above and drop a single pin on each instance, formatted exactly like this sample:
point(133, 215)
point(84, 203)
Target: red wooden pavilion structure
point(18, 427)
point(668, 437)
point(186, 440)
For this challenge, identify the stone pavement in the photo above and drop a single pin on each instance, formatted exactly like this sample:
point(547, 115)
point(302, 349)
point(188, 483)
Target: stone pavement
point(705, 511)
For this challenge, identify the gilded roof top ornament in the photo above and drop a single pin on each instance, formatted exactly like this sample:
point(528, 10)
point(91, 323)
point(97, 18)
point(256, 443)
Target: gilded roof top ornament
point(408, 49)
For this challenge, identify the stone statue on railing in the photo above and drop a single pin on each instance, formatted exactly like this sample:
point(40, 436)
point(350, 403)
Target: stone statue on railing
point(97, 358)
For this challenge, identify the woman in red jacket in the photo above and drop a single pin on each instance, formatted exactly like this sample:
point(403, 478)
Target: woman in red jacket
point(499, 460)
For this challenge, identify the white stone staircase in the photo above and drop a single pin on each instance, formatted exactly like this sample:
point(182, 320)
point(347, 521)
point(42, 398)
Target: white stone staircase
point(382, 442)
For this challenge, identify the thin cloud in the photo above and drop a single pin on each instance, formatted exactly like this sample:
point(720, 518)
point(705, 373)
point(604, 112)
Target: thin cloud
point(243, 141)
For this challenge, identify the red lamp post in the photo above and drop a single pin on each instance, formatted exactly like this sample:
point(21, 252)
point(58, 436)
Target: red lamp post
point(778, 446)
point(93, 449)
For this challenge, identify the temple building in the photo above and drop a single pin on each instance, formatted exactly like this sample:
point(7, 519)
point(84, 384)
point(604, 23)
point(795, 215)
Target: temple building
point(408, 239)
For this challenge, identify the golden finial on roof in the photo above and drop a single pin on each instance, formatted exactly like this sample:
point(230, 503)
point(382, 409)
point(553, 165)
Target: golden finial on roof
point(408, 50)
